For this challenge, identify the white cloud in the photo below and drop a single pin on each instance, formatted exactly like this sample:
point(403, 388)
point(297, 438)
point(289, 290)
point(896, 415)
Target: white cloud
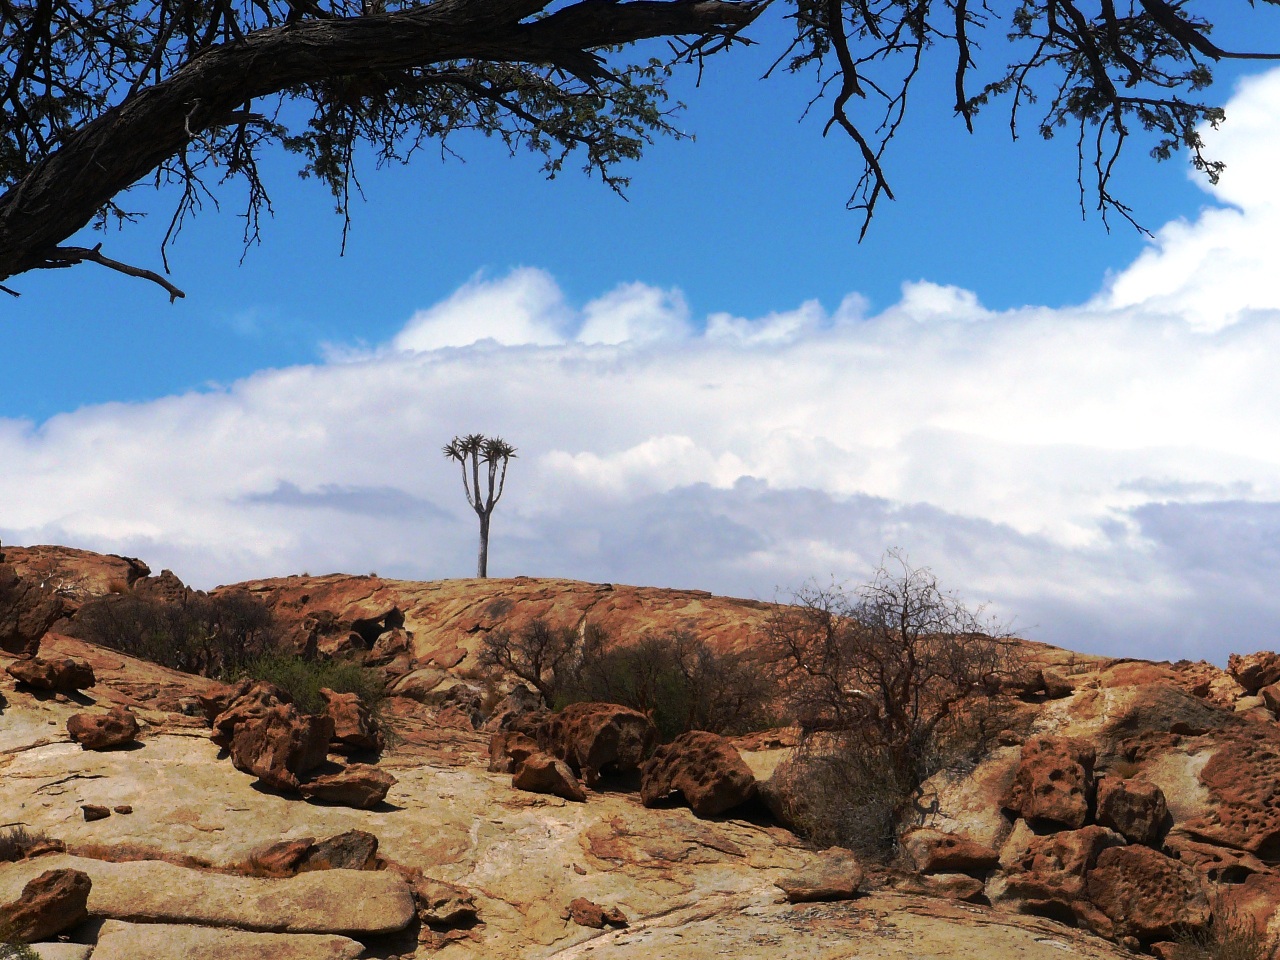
point(1107, 474)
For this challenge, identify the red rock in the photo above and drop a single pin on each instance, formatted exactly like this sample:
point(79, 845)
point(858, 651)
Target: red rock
point(836, 874)
point(280, 745)
point(247, 700)
point(443, 904)
point(279, 859)
point(1053, 781)
point(353, 850)
point(1243, 803)
point(354, 729)
point(51, 903)
point(542, 773)
point(123, 809)
point(1134, 808)
point(358, 785)
point(103, 731)
point(166, 588)
point(1146, 894)
point(1051, 870)
point(93, 811)
point(585, 913)
point(598, 738)
point(27, 610)
point(702, 766)
point(1254, 671)
point(56, 673)
point(508, 749)
point(936, 852)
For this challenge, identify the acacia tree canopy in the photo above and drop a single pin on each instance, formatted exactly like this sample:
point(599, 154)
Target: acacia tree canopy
point(98, 96)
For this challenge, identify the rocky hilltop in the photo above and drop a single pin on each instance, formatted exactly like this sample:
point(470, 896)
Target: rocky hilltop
point(1123, 806)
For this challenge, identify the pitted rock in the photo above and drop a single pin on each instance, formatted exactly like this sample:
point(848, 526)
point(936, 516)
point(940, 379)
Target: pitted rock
point(1053, 781)
point(704, 767)
point(598, 738)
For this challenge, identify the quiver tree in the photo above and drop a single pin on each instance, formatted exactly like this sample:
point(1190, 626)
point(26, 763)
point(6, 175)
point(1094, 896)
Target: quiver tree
point(471, 451)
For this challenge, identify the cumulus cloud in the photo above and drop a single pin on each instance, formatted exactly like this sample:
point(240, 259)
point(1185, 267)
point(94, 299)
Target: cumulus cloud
point(1107, 475)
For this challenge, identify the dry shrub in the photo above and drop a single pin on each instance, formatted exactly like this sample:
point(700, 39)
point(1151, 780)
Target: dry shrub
point(17, 841)
point(1232, 936)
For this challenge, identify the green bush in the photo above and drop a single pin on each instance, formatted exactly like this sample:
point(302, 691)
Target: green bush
point(210, 636)
point(302, 679)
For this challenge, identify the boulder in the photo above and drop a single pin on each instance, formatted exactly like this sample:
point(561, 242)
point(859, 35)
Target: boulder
point(168, 941)
point(1243, 805)
point(1053, 781)
point(542, 773)
point(513, 709)
point(27, 611)
point(704, 767)
point(599, 738)
point(50, 903)
point(585, 913)
point(936, 852)
point(104, 731)
point(357, 903)
point(834, 874)
point(353, 850)
point(231, 707)
point(443, 904)
point(1134, 808)
point(1148, 895)
point(280, 745)
point(354, 729)
point(62, 674)
point(279, 859)
point(357, 785)
point(94, 811)
point(1047, 874)
point(508, 749)
point(1253, 671)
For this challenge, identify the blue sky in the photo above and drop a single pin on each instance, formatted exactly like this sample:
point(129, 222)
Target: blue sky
point(712, 384)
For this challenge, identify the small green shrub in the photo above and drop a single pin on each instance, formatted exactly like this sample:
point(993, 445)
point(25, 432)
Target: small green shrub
point(11, 948)
point(302, 679)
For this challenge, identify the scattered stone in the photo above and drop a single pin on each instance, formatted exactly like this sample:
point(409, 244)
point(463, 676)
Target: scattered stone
point(835, 874)
point(599, 739)
point(585, 913)
point(165, 941)
point(1053, 781)
point(1148, 895)
point(280, 859)
point(936, 852)
point(123, 808)
point(93, 811)
point(443, 904)
point(704, 767)
point(50, 903)
point(60, 674)
point(954, 886)
point(358, 785)
point(353, 850)
point(1134, 808)
point(104, 731)
point(541, 773)
point(354, 729)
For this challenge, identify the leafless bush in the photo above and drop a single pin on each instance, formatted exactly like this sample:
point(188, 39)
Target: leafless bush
point(888, 685)
point(538, 653)
point(15, 841)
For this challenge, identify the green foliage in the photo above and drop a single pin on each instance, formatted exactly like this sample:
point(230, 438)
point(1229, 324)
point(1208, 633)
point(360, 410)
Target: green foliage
point(210, 636)
point(302, 679)
point(11, 949)
point(678, 679)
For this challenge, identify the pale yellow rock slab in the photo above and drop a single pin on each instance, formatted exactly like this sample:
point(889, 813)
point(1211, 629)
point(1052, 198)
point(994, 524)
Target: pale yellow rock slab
point(328, 901)
point(163, 941)
point(62, 951)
